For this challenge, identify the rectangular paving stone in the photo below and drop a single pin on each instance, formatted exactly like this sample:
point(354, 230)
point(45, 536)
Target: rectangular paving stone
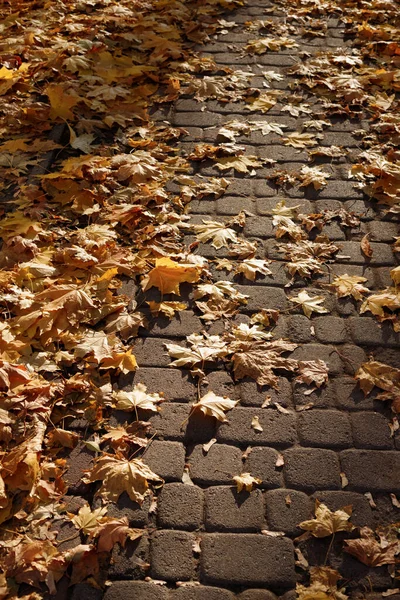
point(362, 514)
point(167, 459)
point(263, 297)
point(279, 429)
point(261, 463)
point(252, 394)
point(247, 559)
point(217, 466)
point(285, 509)
point(176, 384)
point(372, 470)
point(311, 468)
point(230, 510)
point(324, 429)
point(203, 592)
point(171, 554)
point(371, 430)
point(180, 506)
point(139, 590)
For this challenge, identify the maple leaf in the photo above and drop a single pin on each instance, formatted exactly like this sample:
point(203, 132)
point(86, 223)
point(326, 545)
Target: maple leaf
point(167, 275)
point(309, 304)
point(217, 232)
point(312, 372)
point(60, 102)
point(240, 163)
point(323, 585)
point(264, 102)
point(251, 266)
point(120, 475)
point(202, 349)
point(259, 359)
point(137, 398)
point(245, 332)
point(350, 285)
point(373, 553)
point(366, 246)
point(214, 406)
point(327, 522)
point(299, 140)
point(115, 531)
point(282, 210)
point(376, 303)
point(374, 373)
point(313, 176)
point(88, 520)
point(261, 45)
point(246, 482)
point(166, 308)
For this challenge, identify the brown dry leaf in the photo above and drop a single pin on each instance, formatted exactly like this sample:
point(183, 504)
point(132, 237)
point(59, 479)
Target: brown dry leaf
point(373, 553)
point(246, 482)
point(251, 266)
point(166, 308)
point(119, 475)
point(215, 406)
point(323, 585)
point(259, 359)
point(327, 522)
point(312, 372)
point(137, 398)
point(264, 102)
point(309, 304)
point(375, 373)
point(115, 531)
point(61, 437)
point(350, 285)
point(87, 520)
point(366, 246)
point(218, 233)
point(242, 164)
point(167, 275)
point(255, 424)
point(300, 140)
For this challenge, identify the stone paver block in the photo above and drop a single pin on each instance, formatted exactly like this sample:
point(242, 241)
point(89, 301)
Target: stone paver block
point(366, 330)
point(330, 330)
point(180, 506)
point(228, 510)
point(252, 394)
point(84, 591)
point(219, 465)
point(372, 470)
point(324, 429)
point(263, 297)
point(182, 324)
point(278, 429)
point(172, 556)
point(261, 463)
point(300, 329)
point(371, 430)
point(319, 351)
point(139, 590)
point(151, 352)
point(349, 396)
point(137, 515)
point(171, 423)
point(79, 460)
point(167, 459)
point(255, 594)
point(382, 254)
point(311, 469)
point(285, 509)
point(362, 514)
point(247, 559)
point(203, 592)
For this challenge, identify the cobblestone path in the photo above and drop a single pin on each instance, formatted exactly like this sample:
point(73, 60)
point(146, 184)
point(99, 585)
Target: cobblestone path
point(337, 451)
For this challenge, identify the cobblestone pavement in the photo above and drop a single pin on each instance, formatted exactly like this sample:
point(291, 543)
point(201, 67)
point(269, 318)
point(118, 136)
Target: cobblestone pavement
point(344, 433)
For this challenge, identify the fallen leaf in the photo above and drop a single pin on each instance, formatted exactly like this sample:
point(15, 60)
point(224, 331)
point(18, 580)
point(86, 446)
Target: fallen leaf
point(137, 398)
point(373, 553)
point(309, 304)
point(167, 275)
point(214, 406)
point(120, 475)
point(327, 522)
point(255, 424)
point(246, 482)
point(366, 246)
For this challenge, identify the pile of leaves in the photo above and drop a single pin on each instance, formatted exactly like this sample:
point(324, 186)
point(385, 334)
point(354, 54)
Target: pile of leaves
point(79, 83)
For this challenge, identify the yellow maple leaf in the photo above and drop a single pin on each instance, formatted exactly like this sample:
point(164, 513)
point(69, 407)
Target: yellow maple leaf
point(168, 274)
point(327, 522)
point(60, 102)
